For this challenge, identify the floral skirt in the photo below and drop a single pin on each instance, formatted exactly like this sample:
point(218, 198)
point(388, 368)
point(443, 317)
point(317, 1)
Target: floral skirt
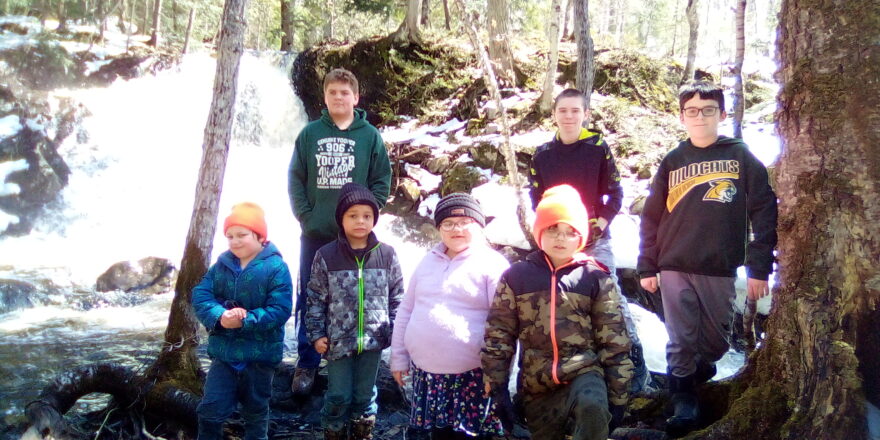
point(453, 400)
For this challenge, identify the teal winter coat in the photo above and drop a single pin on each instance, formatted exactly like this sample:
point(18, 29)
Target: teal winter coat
point(264, 289)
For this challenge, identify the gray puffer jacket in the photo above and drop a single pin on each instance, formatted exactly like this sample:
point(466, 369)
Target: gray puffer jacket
point(353, 296)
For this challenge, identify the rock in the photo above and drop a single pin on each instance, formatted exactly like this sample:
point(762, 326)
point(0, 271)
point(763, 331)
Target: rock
point(638, 205)
point(487, 156)
point(148, 275)
point(15, 295)
point(408, 153)
point(438, 165)
point(492, 128)
point(39, 183)
point(405, 198)
point(461, 178)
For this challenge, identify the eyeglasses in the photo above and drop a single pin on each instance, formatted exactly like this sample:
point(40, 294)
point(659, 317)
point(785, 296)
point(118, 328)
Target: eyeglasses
point(450, 225)
point(556, 234)
point(692, 112)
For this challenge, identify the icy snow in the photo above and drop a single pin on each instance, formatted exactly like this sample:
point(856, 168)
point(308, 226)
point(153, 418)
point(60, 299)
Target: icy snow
point(9, 126)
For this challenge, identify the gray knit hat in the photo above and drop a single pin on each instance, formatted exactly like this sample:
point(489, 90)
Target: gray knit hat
point(459, 205)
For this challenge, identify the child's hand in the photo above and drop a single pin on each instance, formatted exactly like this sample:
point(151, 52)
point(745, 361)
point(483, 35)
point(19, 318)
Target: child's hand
point(232, 318)
point(488, 389)
point(321, 345)
point(649, 284)
point(399, 375)
point(757, 289)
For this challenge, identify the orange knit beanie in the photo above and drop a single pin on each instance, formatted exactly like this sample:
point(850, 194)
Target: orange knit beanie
point(249, 215)
point(561, 204)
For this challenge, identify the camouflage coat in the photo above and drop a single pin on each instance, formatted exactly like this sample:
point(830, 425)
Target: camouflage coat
point(353, 297)
point(588, 334)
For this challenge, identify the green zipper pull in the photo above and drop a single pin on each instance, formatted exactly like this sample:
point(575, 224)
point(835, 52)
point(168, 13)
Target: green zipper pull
point(360, 335)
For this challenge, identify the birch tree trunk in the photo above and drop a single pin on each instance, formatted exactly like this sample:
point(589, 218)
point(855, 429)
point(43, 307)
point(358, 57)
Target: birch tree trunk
point(586, 64)
point(694, 23)
point(408, 32)
point(189, 26)
point(177, 362)
point(805, 381)
point(546, 100)
point(513, 176)
point(157, 23)
point(567, 29)
point(498, 14)
point(738, 93)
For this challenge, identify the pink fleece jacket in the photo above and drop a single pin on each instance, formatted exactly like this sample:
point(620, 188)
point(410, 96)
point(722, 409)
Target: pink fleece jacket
point(440, 323)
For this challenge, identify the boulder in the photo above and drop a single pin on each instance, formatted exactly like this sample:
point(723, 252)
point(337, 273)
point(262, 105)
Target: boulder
point(148, 275)
point(461, 178)
point(438, 164)
point(487, 156)
point(15, 295)
point(405, 197)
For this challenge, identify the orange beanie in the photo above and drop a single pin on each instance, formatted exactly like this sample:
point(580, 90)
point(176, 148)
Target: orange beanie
point(249, 215)
point(561, 204)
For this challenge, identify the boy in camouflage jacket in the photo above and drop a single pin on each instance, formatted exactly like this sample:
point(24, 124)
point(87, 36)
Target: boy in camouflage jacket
point(353, 293)
point(565, 311)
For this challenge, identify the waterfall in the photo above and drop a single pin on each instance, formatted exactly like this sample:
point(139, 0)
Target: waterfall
point(134, 167)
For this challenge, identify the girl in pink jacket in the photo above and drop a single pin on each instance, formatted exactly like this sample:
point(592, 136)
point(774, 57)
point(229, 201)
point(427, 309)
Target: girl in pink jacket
point(439, 327)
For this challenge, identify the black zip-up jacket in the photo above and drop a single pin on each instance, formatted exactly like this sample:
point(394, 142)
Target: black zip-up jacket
point(697, 215)
point(587, 165)
point(353, 296)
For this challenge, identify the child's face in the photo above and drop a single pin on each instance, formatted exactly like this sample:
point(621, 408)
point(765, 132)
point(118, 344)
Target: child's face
point(243, 243)
point(457, 233)
point(560, 242)
point(700, 126)
point(570, 115)
point(357, 222)
point(340, 99)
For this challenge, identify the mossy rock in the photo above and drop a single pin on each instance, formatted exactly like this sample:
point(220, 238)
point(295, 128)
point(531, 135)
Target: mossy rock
point(395, 79)
point(631, 75)
point(488, 156)
point(461, 178)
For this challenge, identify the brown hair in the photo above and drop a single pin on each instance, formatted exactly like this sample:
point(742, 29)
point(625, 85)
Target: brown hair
point(341, 75)
point(570, 93)
point(705, 89)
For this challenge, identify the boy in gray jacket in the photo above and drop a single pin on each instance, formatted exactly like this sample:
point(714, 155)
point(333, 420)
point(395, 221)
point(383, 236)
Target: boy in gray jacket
point(355, 287)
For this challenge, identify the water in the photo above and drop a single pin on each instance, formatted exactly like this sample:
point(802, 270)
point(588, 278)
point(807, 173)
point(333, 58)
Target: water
point(130, 196)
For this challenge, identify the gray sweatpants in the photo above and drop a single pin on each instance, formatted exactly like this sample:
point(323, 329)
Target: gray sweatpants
point(581, 404)
point(699, 315)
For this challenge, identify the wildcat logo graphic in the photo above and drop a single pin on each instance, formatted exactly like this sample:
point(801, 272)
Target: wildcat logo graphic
point(686, 178)
point(335, 160)
point(722, 191)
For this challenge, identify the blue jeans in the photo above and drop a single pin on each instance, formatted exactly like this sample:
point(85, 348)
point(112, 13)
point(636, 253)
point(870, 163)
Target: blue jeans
point(351, 389)
point(308, 357)
point(224, 388)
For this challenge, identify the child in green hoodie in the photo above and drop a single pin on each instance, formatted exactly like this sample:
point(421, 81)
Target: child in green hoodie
point(338, 148)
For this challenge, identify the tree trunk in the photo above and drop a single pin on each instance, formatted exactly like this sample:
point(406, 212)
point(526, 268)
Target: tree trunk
point(287, 31)
point(446, 14)
point(189, 26)
point(145, 20)
point(738, 94)
point(567, 29)
point(586, 64)
point(806, 381)
point(408, 31)
point(330, 25)
point(694, 23)
point(177, 362)
point(426, 14)
point(498, 15)
point(620, 21)
point(513, 176)
point(675, 20)
point(546, 100)
point(157, 23)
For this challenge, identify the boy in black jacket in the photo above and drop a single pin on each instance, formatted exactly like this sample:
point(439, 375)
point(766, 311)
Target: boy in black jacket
point(694, 234)
point(582, 159)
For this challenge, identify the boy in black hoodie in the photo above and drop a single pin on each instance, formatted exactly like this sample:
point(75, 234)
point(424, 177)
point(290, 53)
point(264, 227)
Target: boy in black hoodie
point(694, 234)
point(339, 148)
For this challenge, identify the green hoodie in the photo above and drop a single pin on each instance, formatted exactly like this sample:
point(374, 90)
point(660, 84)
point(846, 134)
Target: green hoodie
point(324, 159)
